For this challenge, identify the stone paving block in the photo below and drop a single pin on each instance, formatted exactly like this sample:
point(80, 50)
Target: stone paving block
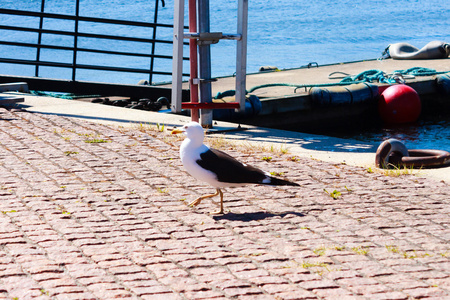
point(46, 276)
point(168, 296)
point(318, 284)
point(150, 290)
point(296, 295)
point(429, 275)
point(389, 296)
point(92, 280)
point(251, 274)
point(425, 292)
point(278, 288)
point(333, 293)
point(443, 283)
point(209, 279)
point(370, 289)
point(267, 280)
point(303, 277)
point(242, 291)
point(75, 296)
point(141, 276)
point(21, 287)
point(64, 290)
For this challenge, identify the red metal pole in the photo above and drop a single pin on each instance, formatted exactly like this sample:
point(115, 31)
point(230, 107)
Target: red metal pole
point(193, 71)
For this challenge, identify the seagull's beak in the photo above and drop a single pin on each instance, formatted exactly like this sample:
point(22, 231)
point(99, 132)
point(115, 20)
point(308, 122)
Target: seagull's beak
point(177, 131)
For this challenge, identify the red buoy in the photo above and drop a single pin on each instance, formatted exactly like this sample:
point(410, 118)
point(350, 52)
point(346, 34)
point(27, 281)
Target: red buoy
point(399, 104)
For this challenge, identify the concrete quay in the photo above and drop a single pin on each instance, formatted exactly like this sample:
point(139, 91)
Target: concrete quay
point(94, 206)
point(319, 147)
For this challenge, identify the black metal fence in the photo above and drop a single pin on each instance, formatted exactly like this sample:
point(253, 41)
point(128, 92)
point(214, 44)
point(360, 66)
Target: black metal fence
point(76, 34)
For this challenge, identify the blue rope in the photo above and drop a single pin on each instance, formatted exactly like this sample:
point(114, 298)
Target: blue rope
point(418, 71)
point(369, 76)
point(69, 96)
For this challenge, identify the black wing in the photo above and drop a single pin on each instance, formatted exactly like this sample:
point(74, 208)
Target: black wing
point(228, 169)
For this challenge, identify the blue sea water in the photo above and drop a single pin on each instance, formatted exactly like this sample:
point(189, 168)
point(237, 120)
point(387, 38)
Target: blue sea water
point(284, 33)
point(429, 132)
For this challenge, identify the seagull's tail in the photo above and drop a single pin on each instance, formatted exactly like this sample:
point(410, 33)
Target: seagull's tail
point(278, 181)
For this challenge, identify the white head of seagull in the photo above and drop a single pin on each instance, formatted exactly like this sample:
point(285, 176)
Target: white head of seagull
point(194, 132)
point(216, 167)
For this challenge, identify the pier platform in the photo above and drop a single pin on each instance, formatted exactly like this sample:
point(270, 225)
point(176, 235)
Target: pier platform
point(283, 106)
point(318, 75)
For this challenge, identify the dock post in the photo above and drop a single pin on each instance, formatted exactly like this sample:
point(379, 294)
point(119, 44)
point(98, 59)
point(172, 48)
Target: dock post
point(241, 54)
point(204, 52)
point(203, 40)
point(177, 62)
point(193, 60)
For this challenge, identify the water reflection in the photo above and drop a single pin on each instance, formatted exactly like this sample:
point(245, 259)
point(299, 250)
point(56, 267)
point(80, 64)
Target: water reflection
point(430, 132)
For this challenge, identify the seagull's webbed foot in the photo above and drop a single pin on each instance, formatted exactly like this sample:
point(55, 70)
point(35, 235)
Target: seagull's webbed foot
point(199, 199)
point(220, 211)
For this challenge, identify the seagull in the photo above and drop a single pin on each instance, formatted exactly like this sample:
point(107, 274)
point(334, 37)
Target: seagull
point(216, 167)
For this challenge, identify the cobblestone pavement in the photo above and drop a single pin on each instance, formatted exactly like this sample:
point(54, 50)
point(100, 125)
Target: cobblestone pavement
point(90, 211)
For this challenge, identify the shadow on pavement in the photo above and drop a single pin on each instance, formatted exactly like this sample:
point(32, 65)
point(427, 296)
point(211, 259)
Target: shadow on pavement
point(254, 216)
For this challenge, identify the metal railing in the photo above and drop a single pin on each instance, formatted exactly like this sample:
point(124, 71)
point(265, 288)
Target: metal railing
point(76, 34)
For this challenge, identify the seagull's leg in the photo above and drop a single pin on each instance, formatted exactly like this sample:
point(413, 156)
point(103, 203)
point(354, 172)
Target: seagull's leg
point(199, 199)
point(219, 212)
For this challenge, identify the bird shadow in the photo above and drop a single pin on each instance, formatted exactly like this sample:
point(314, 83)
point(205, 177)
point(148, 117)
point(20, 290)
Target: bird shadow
point(254, 216)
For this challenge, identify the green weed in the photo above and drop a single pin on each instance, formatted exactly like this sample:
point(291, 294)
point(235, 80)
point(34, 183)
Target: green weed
point(96, 141)
point(162, 191)
point(44, 292)
point(307, 264)
point(397, 171)
point(160, 127)
point(70, 152)
point(334, 194)
point(86, 134)
point(339, 248)
point(392, 248)
point(293, 158)
point(406, 254)
point(284, 149)
point(360, 250)
point(320, 250)
point(276, 173)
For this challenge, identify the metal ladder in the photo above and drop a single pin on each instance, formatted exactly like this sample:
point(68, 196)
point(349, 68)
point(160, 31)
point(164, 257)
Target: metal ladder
point(202, 41)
